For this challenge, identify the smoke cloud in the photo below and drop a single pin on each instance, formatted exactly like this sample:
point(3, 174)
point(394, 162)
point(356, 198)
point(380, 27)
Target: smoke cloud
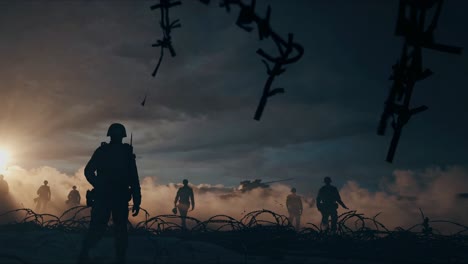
point(398, 199)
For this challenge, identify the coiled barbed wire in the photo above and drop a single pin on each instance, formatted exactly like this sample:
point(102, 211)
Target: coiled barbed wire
point(258, 232)
point(350, 223)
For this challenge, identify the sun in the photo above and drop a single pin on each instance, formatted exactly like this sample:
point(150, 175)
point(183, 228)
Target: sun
point(4, 158)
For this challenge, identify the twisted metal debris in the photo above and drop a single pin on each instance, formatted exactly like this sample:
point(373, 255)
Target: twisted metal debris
point(409, 69)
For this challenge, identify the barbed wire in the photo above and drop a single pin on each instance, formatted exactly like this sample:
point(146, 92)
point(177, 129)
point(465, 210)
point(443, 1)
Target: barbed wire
point(289, 50)
point(348, 224)
point(166, 41)
point(417, 30)
point(258, 232)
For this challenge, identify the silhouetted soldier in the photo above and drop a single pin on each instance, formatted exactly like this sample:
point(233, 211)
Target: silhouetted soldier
point(185, 198)
point(74, 197)
point(327, 200)
point(4, 189)
point(294, 205)
point(115, 183)
point(44, 197)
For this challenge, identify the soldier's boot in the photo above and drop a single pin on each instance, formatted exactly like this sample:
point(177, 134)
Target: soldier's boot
point(120, 255)
point(121, 242)
point(334, 220)
point(89, 242)
point(83, 258)
point(183, 224)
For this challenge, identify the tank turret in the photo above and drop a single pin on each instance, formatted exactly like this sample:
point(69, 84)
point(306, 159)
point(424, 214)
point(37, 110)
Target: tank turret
point(246, 186)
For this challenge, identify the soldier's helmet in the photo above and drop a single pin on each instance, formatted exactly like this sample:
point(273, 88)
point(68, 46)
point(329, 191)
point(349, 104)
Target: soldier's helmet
point(185, 181)
point(116, 130)
point(46, 182)
point(293, 190)
point(74, 187)
point(327, 180)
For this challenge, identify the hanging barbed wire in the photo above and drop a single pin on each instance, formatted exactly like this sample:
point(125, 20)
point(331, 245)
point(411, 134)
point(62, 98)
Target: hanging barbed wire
point(411, 25)
point(166, 41)
point(289, 50)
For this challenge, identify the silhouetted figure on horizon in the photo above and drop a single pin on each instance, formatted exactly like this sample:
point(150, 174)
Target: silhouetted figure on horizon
point(294, 205)
point(74, 197)
point(185, 198)
point(113, 173)
point(328, 199)
point(43, 198)
point(4, 189)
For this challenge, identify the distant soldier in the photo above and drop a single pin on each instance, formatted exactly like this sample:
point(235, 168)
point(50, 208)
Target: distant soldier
point(4, 189)
point(294, 205)
point(43, 198)
point(74, 197)
point(115, 183)
point(185, 198)
point(327, 200)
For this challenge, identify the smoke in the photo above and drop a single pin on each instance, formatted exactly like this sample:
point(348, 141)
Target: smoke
point(23, 185)
point(436, 191)
point(215, 200)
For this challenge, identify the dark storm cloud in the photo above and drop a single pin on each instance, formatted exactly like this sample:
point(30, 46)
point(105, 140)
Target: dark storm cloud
point(217, 130)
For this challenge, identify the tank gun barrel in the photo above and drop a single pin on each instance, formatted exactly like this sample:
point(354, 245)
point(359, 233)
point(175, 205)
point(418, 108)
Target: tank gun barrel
point(289, 179)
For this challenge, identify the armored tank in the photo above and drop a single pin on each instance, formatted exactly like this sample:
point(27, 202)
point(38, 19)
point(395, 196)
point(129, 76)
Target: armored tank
point(246, 186)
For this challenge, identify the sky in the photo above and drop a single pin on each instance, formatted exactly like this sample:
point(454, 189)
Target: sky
point(69, 69)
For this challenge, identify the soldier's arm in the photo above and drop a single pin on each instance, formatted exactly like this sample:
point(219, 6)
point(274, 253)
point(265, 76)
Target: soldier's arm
point(192, 199)
point(338, 199)
point(49, 194)
point(319, 198)
point(288, 202)
point(135, 181)
point(176, 197)
point(300, 203)
point(79, 197)
point(90, 169)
